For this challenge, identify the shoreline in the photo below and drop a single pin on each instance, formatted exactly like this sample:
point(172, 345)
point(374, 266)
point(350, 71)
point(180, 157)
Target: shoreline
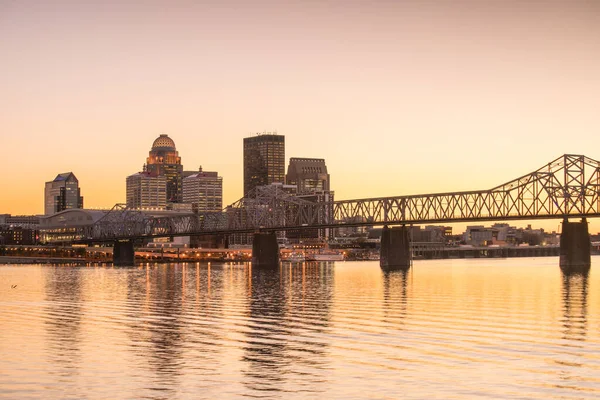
point(41, 260)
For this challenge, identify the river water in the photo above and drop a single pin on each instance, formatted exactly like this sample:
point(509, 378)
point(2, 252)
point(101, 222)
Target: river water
point(500, 328)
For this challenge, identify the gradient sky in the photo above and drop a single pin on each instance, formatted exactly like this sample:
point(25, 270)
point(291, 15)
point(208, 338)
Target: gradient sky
point(399, 97)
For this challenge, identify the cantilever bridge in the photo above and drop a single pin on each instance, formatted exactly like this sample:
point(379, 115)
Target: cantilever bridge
point(568, 186)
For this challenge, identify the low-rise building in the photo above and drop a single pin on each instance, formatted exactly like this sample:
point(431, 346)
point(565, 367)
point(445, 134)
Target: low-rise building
point(18, 235)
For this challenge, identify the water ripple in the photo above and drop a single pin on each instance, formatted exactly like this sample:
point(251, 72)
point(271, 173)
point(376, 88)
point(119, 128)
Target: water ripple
point(447, 329)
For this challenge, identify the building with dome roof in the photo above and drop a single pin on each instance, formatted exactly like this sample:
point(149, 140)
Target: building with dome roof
point(164, 160)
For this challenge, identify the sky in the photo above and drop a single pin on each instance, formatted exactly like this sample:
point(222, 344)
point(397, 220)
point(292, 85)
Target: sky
point(399, 97)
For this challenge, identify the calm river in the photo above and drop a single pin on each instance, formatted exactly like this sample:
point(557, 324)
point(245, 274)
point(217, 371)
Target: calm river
point(500, 328)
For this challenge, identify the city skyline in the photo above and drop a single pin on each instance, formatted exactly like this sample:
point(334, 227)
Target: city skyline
point(404, 98)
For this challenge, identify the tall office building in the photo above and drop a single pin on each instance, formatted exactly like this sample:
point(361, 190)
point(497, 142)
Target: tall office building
point(146, 190)
point(204, 190)
point(310, 178)
point(164, 160)
point(62, 193)
point(264, 161)
point(309, 175)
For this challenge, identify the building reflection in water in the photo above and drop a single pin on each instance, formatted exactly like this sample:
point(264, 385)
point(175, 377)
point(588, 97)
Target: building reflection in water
point(289, 313)
point(63, 325)
point(156, 322)
point(177, 313)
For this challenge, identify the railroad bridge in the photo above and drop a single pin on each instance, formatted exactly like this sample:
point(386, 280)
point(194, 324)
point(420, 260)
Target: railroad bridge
point(566, 188)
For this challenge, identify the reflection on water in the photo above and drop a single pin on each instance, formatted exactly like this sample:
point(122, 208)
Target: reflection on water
point(265, 347)
point(395, 293)
point(278, 343)
point(575, 287)
point(62, 321)
point(516, 328)
point(159, 325)
point(571, 357)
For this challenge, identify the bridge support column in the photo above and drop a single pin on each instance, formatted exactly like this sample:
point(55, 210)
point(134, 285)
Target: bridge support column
point(265, 250)
point(395, 249)
point(123, 253)
point(575, 247)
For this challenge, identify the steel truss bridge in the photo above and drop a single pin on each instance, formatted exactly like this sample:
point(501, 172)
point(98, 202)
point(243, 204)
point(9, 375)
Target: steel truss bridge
point(566, 187)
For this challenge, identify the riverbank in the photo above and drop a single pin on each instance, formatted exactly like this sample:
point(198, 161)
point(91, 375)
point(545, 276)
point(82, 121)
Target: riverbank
point(41, 260)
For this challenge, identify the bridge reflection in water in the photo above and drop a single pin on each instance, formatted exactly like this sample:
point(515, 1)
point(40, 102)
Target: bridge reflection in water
point(511, 329)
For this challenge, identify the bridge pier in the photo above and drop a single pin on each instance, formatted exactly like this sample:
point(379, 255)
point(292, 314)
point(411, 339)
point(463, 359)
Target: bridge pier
point(123, 253)
point(265, 250)
point(575, 247)
point(395, 248)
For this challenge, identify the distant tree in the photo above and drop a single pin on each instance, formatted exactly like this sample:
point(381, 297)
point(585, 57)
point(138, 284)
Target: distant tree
point(532, 239)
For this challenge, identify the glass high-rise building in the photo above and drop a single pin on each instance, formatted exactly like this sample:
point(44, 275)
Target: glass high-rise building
point(264, 161)
point(62, 193)
point(164, 160)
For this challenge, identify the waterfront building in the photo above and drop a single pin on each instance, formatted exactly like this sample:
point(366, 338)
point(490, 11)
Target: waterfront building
point(309, 175)
point(204, 190)
point(18, 235)
point(62, 193)
point(264, 161)
point(478, 235)
point(146, 190)
point(164, 160)
point(22, 221)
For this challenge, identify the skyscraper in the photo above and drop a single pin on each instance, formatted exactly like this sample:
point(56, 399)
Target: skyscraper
point(62, 193)
point(204, 190)
point(264, 160)
point(164, 160)
point(146, 190)
point(309, 175)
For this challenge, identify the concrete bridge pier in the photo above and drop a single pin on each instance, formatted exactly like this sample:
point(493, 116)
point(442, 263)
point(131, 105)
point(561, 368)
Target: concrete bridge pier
point(123, 253)
point(395, 248)
point(575, 247)
point(265, 250)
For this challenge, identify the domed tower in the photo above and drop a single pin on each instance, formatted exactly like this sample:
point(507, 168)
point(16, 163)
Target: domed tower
point(164, 160)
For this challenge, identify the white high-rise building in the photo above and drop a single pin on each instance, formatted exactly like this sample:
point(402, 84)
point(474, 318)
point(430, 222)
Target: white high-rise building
point(146, 191)
point(204, 190)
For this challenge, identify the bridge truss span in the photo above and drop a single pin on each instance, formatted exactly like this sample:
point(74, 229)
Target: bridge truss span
point(567, 186)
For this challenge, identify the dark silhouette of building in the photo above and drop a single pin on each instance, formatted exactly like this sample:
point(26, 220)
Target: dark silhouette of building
point(309, 175)
point(18, 235)
point(62, 193)
point(164, 160)
point(264, 161)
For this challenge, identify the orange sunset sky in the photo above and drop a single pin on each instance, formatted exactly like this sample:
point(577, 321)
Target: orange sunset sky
point(399, 97)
